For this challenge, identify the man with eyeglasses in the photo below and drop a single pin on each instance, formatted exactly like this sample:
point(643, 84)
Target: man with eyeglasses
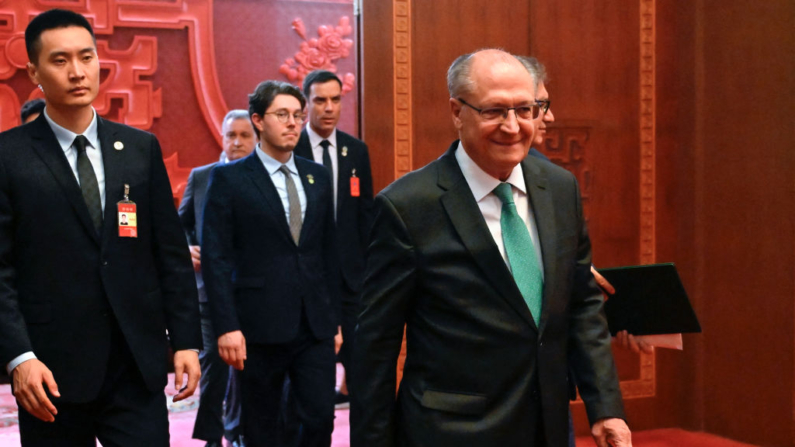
point(485, 257)
point(271, 272)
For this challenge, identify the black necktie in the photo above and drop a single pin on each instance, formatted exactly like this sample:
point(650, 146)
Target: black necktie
point(326, 156)
point(88, 182)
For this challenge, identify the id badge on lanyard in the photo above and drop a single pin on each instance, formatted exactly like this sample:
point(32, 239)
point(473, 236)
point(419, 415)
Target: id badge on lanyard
point(128, 222)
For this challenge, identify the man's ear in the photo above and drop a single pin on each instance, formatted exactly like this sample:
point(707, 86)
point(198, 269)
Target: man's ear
point(455, 108)
point(256, 119)
point(33, 73)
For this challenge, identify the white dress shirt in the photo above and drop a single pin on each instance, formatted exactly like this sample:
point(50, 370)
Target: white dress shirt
point(65, 138)
point(482, 186)
point(280, 181)
point(317, 153)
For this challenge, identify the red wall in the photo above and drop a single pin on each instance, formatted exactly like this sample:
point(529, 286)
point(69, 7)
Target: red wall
point(175, 68)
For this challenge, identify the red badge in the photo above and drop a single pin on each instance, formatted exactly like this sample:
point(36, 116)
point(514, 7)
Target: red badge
point(128, 221)
point(354, 184)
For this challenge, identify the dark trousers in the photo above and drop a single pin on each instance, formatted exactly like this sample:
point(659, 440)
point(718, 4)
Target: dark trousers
point(350, 315)
point(310, 366)
point(218, 383)
point(125, 413)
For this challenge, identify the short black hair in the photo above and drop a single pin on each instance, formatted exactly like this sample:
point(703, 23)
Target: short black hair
point(31, 107)
point(319, 77)
point(264, 94)
point(52, 19)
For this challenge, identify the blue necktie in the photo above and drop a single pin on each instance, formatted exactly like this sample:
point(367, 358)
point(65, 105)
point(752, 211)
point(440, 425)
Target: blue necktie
point(521, 252)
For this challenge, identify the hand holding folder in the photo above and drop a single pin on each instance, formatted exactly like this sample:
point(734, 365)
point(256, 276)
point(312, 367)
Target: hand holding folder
point(649, 301)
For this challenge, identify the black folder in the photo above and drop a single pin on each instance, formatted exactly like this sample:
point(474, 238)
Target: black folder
point(649, 300)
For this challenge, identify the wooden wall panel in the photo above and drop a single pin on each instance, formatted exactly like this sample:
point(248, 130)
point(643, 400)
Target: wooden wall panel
point(744, 214)
point(442, 31)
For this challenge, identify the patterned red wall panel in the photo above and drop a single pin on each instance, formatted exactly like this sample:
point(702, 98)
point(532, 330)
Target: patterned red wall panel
point(176, 67)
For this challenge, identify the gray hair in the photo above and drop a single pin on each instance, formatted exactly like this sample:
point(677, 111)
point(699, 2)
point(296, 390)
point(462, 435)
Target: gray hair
point(536, 68)
point(235, 114)
point(458, 75)
point(458, 80)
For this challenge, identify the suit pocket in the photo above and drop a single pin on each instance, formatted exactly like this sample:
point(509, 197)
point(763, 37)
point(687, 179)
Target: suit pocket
point(472, 404)
point(249, 282)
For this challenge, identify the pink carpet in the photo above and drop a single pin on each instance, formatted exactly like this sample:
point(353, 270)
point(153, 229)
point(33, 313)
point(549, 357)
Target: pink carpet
point(182, 415)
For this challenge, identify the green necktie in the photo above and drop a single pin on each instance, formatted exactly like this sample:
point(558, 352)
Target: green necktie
point(521, 252)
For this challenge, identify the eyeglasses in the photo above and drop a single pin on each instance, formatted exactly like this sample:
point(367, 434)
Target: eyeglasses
point(284, 116)
point(494, 114)
point(544, 105)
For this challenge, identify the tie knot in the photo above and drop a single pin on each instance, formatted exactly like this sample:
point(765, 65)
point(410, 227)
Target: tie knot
point(504, 193)
point(80, 143)
point(285, 170)
point(325, 144)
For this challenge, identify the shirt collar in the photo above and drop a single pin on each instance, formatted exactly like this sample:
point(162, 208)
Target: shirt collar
point(315, 139)
point(66, 137)
point(479, 181)
point(272, 165)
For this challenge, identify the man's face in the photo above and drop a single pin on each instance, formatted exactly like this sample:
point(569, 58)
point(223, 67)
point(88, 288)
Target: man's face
point(324, 107)
point(239, 139)
point(277, 137)
point(543, 120)
point(496, 146)
point(68, 68)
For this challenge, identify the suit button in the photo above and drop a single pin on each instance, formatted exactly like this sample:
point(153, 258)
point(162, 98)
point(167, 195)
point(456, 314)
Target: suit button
point(104, 263)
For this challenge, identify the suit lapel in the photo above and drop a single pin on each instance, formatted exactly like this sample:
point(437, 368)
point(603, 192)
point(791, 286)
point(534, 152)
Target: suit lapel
point(311, 192)
point(543, 210)
point(468, 222)
point(49, 150)
point(113, 161)
point(345, 167)
point(262, 180)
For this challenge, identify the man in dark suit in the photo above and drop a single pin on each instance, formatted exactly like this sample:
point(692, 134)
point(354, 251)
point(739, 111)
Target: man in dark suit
point(84, 308)
point(485, 256)
point(348, 161)
point(270, 270)
point(217, 383)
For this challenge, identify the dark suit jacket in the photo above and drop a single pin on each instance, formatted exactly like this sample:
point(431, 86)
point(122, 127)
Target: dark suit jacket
point(257, 279)
point(62, 284)
point(354, 214)
point(191, 210)
point(478, 369)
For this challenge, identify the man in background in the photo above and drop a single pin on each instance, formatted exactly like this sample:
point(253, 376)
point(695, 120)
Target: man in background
point(219, 381)
point(348, 160)
point(271, 272)
point(31, 110)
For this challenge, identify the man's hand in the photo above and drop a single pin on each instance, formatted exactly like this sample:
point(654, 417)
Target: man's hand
point(636, 343)
point(186, 361)
point(602, 282)
point(196, 257)
point(28, 377)
point(338, 340)
point(611, 432)
point(232, 349)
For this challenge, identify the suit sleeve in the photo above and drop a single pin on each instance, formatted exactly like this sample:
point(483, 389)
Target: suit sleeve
point(365, 199)
point(13, 331)
point(389, 287)
point(591, 355)
point(187, 214)
point(172, 260)
point(218, 253)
